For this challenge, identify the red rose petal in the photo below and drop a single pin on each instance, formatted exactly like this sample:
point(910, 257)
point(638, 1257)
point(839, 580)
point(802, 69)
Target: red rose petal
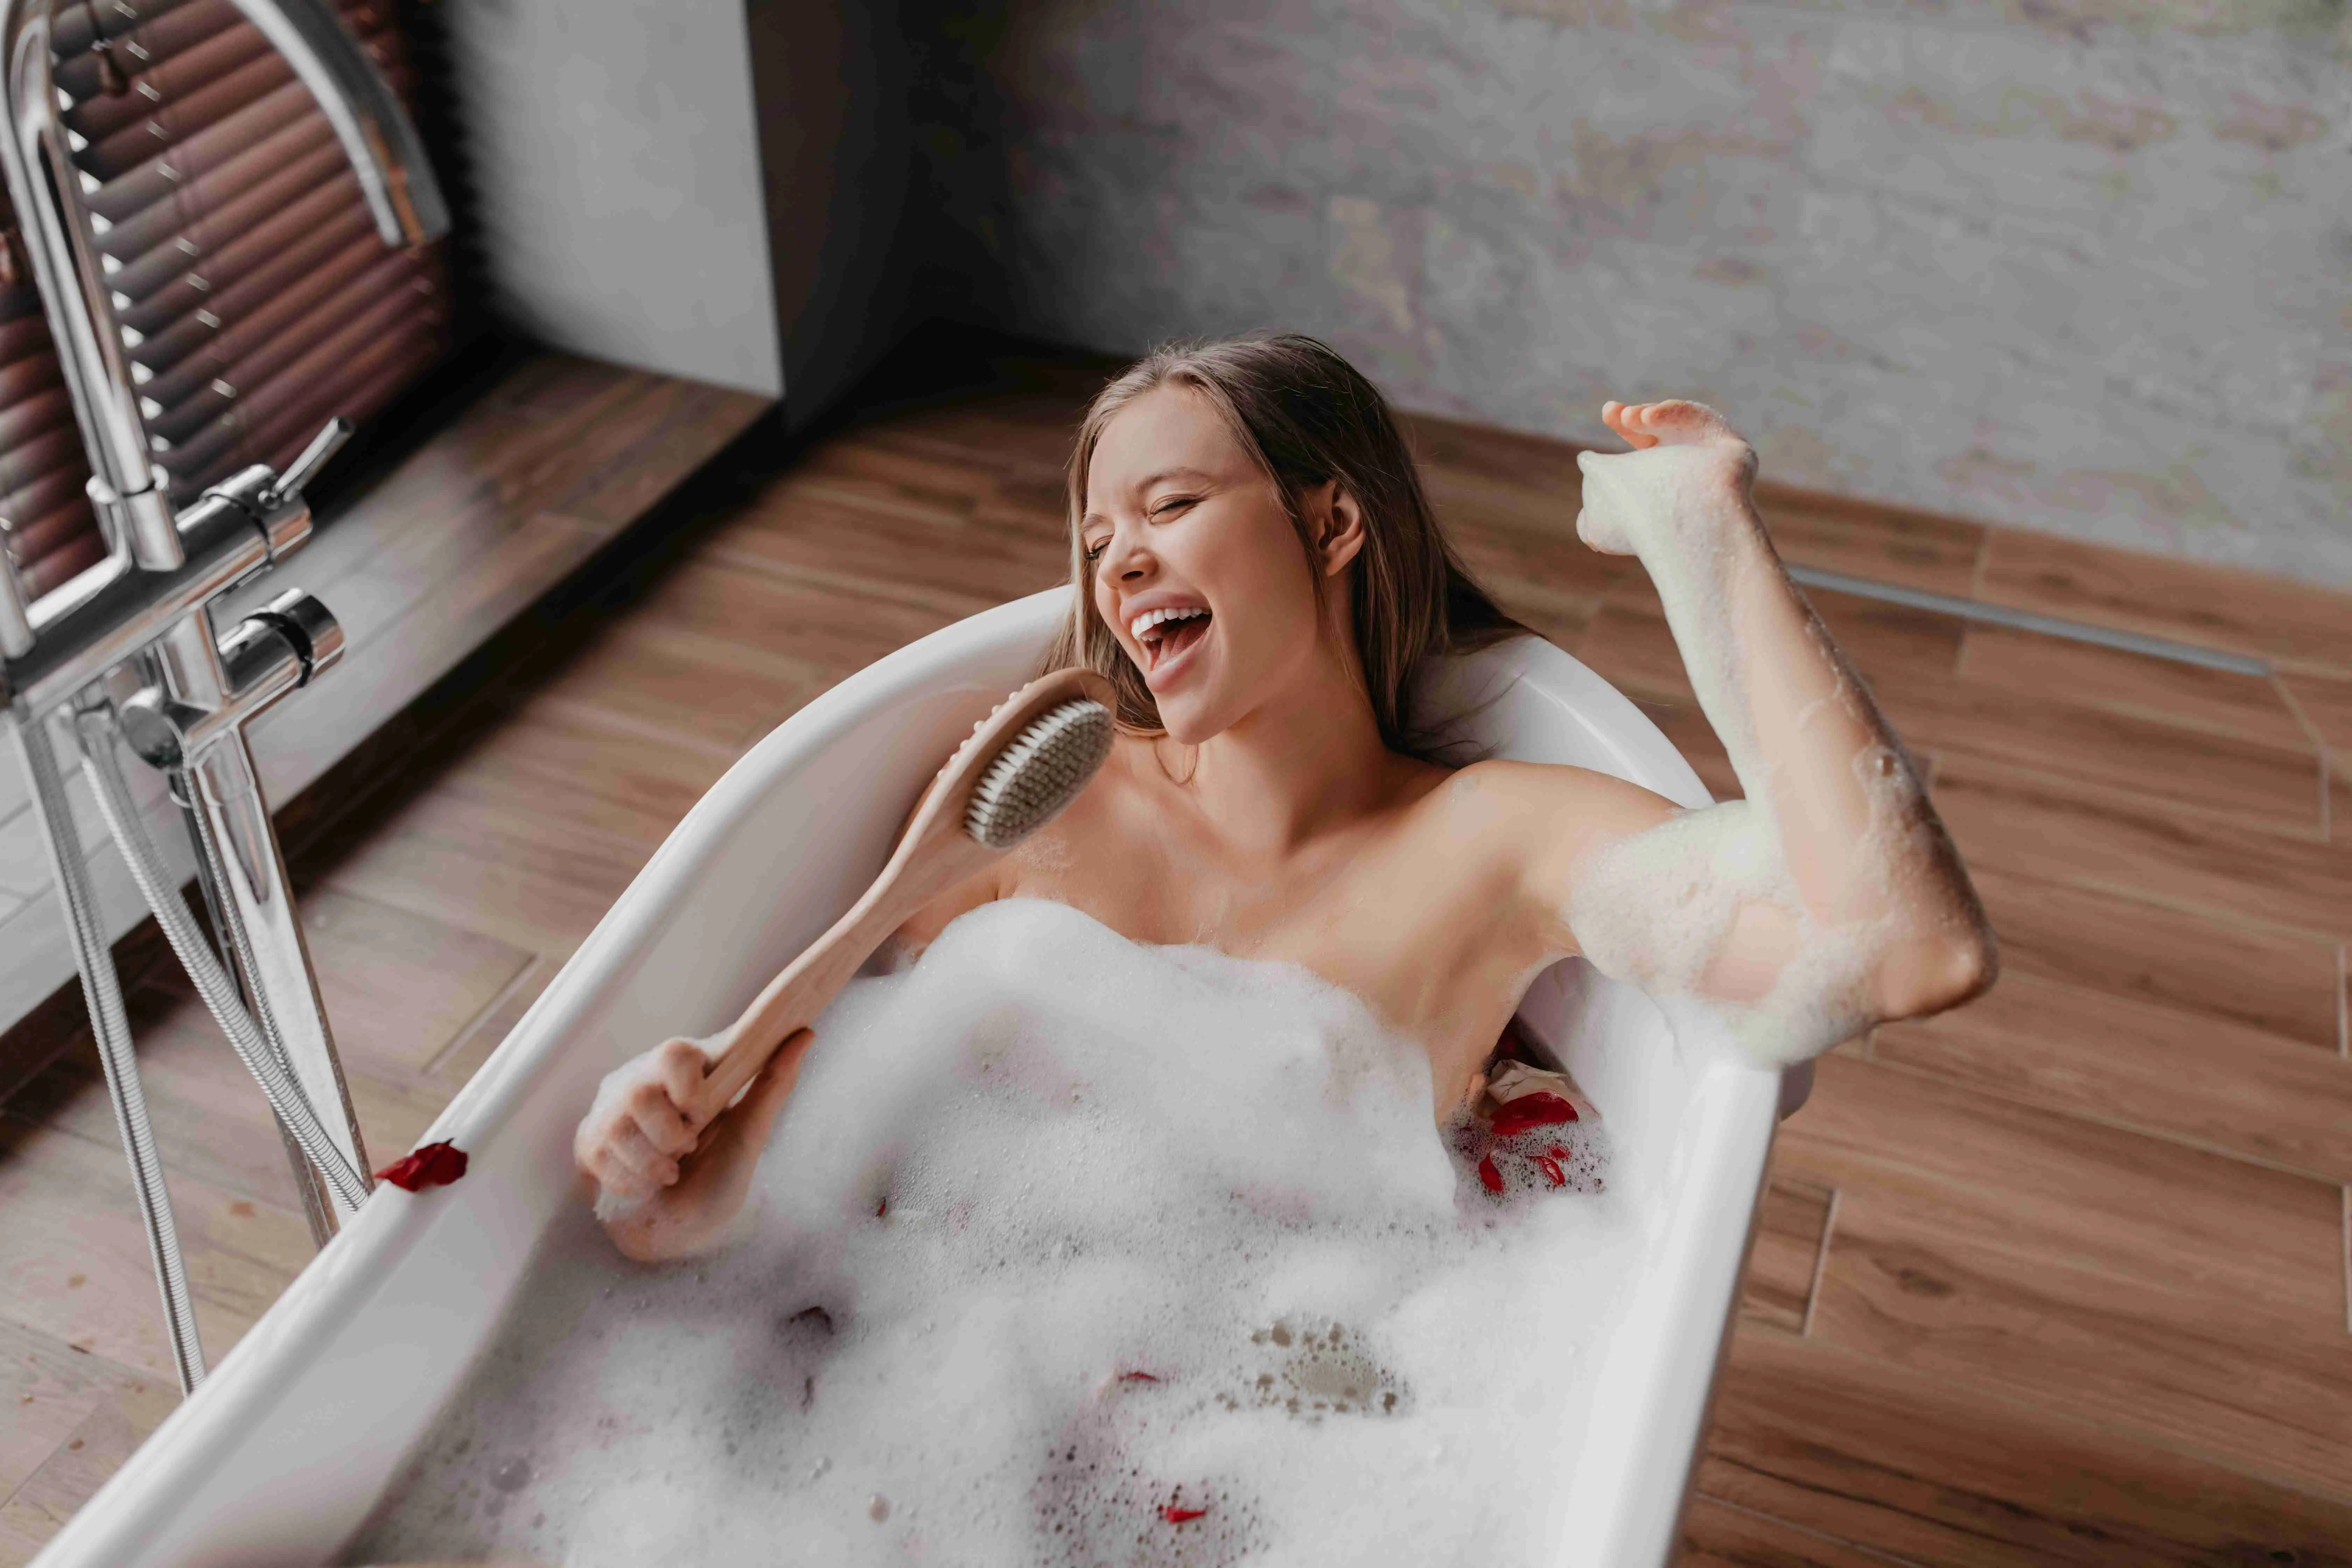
point(434, 1165)
point(1137, 1377)
point(1532, 1110)
point(1488, 1177)
point(1175, 1515)
point(1551, 1167)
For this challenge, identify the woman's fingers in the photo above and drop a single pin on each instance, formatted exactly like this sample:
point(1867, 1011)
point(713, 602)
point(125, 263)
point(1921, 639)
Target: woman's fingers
point(680, 1065)
point(615, 1177)
point(1631, 421)
point(631, 1147)
point(659, 1121)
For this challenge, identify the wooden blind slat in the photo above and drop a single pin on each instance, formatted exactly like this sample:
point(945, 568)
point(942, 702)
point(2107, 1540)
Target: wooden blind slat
point(77, 548)
point(362, 267)
point(46, 530)
point(303, 397)
point(27, 463)
point(151, 178)
point(142, 229)
point(180, 336)
point(23, 303)
point(331, 208)
point(359, 391)
point(44, 495)
point(205, 255)
point(233, 152)
point(98, 115)
point(175, 123)
point(365, 311)
point(46, 410)
point(23, 377)
point(74, 28)
point(180, 118)
point(24, 337)
point(298, 158)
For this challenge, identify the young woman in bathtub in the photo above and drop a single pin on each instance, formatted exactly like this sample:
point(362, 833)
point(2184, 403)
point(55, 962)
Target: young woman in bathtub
point(1257, 569)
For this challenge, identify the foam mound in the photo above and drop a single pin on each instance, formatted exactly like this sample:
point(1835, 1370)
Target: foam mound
point(1067, 1251)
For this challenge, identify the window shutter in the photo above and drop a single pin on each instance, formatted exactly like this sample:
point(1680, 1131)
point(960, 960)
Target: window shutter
point(255, 298)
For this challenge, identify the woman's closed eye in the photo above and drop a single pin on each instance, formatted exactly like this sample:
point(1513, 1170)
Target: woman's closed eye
point(1163, 510)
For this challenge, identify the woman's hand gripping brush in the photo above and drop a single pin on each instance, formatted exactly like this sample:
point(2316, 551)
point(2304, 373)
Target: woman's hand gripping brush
point(1830, 898)
point(674, 1135)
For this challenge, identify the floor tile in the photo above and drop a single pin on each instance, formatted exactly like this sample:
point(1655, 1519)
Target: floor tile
point(2184, 601)
point(2046, 1187)
point(1792, 1221)
point(1933, 1470)
point(2141, 1064)
point(1716, 1534)
point(1865, 539)
point(2027, 664)
point(2065, 830)
point(2280, 983)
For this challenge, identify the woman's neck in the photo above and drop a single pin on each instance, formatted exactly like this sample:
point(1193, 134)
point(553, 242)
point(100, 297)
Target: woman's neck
point(1308, 760)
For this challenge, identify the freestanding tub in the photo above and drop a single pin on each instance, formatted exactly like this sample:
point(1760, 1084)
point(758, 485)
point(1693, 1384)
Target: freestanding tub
point(281, 1456)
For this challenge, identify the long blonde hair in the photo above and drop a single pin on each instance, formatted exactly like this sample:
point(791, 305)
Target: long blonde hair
point(1307, 417)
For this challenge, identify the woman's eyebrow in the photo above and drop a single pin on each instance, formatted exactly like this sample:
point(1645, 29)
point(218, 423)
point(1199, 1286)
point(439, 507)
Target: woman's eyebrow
point(1164, 475)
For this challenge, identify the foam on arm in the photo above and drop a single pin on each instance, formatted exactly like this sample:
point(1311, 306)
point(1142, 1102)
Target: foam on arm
point(1828, 898)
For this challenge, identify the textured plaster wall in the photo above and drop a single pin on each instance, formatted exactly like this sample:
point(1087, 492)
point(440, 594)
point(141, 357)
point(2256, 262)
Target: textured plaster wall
point(2080, 265)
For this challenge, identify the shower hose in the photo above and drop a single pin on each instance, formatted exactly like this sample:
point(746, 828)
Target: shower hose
point(258, 1042)
point(259, 1047)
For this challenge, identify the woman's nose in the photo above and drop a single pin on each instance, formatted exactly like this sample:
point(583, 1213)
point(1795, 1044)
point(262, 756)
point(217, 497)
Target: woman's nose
point(1127, 560)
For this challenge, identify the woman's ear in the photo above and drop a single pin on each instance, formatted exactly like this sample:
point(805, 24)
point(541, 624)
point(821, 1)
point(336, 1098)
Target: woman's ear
point(1338, 524)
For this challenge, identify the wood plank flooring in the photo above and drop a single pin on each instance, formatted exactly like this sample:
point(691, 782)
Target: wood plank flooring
point(2059, 1278)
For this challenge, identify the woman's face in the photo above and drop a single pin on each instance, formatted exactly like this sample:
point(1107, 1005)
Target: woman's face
point(1196, 567)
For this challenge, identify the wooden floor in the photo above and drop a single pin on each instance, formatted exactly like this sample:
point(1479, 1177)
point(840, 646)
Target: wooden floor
point(2060, 1278)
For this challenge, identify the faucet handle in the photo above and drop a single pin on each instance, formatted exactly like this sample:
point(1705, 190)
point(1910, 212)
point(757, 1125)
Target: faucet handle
point(315, 456)
point(274, 502)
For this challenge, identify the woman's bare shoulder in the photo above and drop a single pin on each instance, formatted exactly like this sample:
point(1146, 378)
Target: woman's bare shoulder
point(1535, 825)
point(1547, 796)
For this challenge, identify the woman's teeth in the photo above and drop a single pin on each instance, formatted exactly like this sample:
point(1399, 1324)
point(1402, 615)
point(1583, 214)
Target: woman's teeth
point(1150, 620)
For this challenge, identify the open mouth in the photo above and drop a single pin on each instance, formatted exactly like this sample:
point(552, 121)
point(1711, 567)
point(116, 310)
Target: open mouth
point(1166, 634)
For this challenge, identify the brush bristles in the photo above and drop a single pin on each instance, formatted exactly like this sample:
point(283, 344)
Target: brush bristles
point(1039, 773)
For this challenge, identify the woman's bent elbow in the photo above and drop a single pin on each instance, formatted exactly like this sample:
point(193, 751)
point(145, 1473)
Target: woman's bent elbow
point(1934, 973)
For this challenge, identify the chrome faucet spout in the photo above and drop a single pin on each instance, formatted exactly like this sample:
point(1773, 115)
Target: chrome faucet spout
point(132, 512)
point(377, 135)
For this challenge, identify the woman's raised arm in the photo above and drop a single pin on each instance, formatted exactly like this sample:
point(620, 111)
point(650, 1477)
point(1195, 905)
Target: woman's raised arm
point(1830, 898)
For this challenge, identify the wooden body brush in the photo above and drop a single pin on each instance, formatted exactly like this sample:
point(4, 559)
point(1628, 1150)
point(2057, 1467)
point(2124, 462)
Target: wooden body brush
point(1020, 766)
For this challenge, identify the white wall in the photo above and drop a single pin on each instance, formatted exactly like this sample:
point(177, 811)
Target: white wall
point(613, 155)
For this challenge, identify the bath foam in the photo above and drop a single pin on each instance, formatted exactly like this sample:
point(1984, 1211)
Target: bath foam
point(1068, 1251)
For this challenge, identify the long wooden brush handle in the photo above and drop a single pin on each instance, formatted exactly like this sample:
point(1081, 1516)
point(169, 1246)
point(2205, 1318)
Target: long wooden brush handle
point(806, 986)
point(933, 854)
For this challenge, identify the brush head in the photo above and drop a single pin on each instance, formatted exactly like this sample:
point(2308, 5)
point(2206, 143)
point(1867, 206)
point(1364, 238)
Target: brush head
point(1041, 771)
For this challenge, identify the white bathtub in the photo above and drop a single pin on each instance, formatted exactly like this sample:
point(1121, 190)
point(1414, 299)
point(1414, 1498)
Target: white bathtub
point(279, 1457)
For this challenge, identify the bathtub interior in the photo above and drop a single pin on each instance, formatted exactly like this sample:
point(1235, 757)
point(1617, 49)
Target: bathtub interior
point(280, 1457)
